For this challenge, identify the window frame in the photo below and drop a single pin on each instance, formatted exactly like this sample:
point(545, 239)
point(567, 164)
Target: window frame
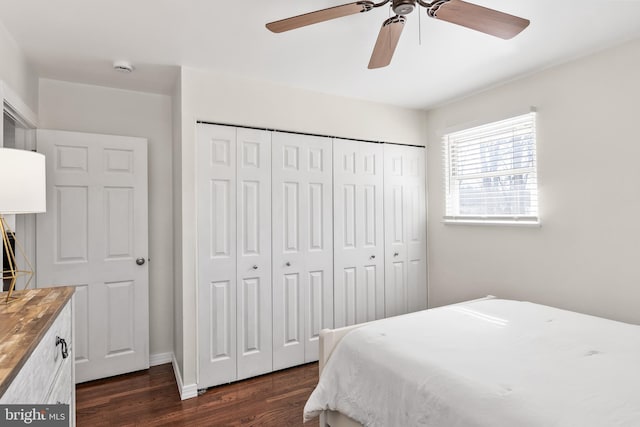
point(452, 198)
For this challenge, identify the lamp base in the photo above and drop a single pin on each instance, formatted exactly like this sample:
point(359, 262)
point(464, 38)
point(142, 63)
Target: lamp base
point(11, 271)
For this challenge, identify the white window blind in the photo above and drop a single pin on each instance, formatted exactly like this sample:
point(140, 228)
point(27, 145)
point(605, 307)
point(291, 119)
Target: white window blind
point(491, 172)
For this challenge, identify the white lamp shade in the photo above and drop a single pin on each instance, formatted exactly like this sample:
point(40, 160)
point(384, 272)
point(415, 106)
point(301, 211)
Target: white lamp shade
point(23, 186)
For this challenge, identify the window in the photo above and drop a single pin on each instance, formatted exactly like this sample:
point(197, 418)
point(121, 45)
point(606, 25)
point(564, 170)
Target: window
point(491, 172)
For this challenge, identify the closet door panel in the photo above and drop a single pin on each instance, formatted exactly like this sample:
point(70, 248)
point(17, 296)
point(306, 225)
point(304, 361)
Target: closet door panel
point(302, 246)
point(358, 232)
point(216, 194)
point(319, 245)
point(320, 304)
point(405, 230)
point(253, 209)
point(395, 230)
point(288, 256)
point(416, 221)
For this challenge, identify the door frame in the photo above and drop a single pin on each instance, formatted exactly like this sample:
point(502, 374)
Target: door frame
point(14, 106)
point(27, 121)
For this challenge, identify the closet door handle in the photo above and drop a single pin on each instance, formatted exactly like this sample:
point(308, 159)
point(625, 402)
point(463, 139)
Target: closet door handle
point(288, 264)
point(255, 267)
point(396, 254)
point(372, 257)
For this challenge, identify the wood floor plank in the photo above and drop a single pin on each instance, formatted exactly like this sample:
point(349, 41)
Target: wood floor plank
point(150, 398)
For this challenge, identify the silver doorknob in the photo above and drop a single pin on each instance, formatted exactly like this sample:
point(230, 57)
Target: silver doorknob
point(140, 261)
point(288, 264)
point(396, 254)
point(255, 267)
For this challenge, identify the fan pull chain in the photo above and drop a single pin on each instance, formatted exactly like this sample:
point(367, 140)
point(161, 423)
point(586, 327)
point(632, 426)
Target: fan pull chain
point(419, 28)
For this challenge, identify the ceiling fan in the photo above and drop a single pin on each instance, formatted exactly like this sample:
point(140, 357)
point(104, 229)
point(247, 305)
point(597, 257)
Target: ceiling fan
point(459, 12)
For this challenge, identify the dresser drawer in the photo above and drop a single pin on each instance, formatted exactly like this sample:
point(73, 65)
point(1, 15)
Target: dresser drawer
point(36, 378)
point(61, 389)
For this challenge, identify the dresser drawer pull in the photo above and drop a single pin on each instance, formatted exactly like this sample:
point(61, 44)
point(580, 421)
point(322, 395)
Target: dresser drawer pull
point(61, 342)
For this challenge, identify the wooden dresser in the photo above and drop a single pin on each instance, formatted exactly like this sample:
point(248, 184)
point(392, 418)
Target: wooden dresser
point(36, 348)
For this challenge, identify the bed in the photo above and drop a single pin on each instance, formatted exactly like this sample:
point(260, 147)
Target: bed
point(483, 363)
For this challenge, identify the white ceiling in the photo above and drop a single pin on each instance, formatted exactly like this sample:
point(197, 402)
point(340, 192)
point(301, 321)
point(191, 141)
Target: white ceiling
point(77, 40)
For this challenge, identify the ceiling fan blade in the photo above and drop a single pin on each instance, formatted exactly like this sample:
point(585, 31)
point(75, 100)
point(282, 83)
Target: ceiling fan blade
point(387, 42)
point(479, 18)
point(319, 16)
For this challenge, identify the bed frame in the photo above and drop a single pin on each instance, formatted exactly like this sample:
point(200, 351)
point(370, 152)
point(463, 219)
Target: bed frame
point(329, 338)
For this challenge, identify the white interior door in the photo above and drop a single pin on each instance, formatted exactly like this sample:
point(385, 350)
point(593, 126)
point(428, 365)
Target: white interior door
point(405, 230)
point(254, 329)
point(358, 232)
point(302, 246)
point(216, 195)
point(93, 236)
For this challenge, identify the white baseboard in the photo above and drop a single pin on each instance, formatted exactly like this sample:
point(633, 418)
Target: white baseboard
point(160, 358)
point(186, 391)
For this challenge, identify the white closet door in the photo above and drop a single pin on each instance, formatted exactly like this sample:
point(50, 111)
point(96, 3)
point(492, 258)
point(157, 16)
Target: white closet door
point(358, 232)
point(405, 230)
point(417, 229)
point(216, 195)
point(302, 246)
point(254, 336)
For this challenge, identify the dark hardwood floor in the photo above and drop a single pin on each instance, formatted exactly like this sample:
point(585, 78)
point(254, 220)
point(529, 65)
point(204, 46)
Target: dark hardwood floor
point(150, 398)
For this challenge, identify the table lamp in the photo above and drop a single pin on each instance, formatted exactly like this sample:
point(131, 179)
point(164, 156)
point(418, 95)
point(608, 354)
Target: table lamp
point(22, 190)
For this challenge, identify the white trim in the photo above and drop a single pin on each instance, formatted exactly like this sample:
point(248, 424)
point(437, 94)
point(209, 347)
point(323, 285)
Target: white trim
point(186, 391)
point(490, 222)
point(17, 107)
point(160, 358)
point(489, 118)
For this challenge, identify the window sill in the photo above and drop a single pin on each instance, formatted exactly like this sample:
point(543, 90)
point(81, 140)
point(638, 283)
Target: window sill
point(493, 222)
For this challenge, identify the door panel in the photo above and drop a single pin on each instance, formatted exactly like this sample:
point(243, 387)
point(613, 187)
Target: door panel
point(120, 317)
point(405, 230)
point(318, 308)
point(358, 232)
point(216, 201)
point(302, 246)
point(72, 224)
point(94, 230)
point(81, 314)
point(221, 323)
point(416, 220)
point(253, 207)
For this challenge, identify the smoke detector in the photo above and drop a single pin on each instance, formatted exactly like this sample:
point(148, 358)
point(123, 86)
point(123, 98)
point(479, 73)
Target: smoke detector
point(123, 66)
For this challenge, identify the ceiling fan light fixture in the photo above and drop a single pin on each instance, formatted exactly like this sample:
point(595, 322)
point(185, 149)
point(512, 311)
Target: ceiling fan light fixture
point(403, 7)
point(459, 12)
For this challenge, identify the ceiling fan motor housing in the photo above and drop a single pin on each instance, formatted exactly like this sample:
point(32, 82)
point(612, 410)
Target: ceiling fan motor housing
point(403, 7)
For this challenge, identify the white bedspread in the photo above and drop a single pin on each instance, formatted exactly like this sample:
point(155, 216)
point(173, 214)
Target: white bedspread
point(489, 363)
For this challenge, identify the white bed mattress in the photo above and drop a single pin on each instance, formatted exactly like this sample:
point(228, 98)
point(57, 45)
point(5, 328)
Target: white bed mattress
point(488, 363)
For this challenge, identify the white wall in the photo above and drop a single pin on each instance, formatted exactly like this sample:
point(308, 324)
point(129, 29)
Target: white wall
point(16, 71)
point(225, 99)
point(177, 223)
point(94, 109)
point(584, 257)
